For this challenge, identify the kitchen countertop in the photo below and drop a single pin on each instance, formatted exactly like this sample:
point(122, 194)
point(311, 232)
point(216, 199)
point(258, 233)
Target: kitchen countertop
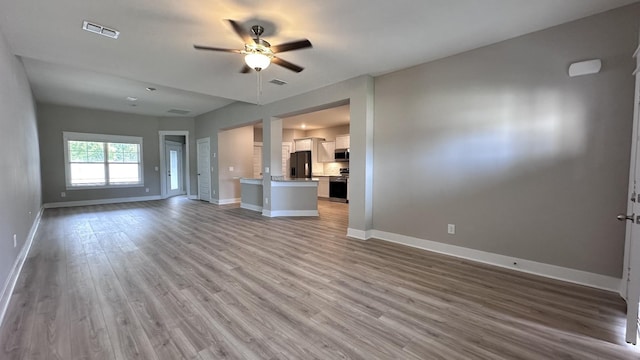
point(313, 179)
point(253, 181)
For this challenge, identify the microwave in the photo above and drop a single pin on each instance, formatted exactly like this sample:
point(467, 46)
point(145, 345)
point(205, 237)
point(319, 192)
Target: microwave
point(341, 155)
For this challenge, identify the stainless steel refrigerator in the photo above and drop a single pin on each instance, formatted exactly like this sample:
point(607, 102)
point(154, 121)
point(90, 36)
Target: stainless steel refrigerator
point(300, 165)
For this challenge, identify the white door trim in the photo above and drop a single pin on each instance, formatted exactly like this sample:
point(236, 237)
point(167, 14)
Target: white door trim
point(163, 167)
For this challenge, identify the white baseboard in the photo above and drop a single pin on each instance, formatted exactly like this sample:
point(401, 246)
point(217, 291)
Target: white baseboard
point(225, 201)
point(278, 213)
point(250, 206)
point(532, 267)
point(359, 234)
point(100, 201)
point(10, 283)
point(193, 197)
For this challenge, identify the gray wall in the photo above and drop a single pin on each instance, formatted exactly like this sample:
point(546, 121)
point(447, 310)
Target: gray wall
point(526, 161)
point(236, 150)
point(20, 198)
point(54, 119)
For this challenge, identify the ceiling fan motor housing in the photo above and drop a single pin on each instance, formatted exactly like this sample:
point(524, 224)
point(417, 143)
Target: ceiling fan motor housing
point(257, 30)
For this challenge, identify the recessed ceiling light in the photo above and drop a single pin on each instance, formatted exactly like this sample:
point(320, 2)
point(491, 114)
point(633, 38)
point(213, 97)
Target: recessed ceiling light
point(151, 89)
point(303, 126)
point(131, 98)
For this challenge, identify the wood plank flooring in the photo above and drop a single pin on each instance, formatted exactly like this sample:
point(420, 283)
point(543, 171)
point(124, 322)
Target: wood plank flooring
point(183, 279)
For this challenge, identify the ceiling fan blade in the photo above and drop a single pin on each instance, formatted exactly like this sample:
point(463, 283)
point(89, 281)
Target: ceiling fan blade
point(199, 47)
point(245, 69)
point(242, 32)
point(286, 64)
point(294, 45)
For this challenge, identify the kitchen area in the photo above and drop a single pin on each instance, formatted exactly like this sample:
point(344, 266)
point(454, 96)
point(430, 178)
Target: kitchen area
point(315, 155)
point(321, 159)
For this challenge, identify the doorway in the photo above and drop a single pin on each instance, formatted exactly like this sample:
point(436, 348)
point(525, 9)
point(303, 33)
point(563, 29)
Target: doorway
point(177, 141)
point(175, 171)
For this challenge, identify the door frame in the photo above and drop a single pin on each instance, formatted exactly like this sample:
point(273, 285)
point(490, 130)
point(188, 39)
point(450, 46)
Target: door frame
point(630, 285)
point(163, 166)
point(198, 141)
point(171, 145)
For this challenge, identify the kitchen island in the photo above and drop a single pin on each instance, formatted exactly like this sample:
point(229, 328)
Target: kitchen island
point(292, 197)
point(251, 194)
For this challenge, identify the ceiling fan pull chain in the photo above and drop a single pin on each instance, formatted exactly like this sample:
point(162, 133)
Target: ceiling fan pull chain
point(259, 86)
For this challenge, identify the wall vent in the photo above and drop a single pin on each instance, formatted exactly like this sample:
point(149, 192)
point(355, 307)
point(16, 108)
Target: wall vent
point(100, 30)
point(179, 112)
point(278, 82)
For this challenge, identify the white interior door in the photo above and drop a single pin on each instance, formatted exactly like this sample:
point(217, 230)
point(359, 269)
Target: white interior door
point(174, 169)
point(204, 169)
point(257, 161)
point(631, 271)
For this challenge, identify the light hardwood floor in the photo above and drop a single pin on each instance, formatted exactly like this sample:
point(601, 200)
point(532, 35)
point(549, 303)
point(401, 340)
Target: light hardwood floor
point(182, 279)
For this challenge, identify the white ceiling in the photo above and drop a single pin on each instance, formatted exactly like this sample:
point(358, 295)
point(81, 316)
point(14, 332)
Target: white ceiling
point(321, 119)
point(350, 38)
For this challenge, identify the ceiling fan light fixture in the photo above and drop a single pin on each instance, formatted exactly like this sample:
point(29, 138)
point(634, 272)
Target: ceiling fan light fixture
point(257, 61)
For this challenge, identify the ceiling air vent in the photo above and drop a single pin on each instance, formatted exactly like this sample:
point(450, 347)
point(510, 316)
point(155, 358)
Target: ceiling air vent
point(179, 112)
point(278, 82)
point(100, 30)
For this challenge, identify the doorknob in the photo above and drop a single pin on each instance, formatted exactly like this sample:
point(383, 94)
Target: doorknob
point(623, 217)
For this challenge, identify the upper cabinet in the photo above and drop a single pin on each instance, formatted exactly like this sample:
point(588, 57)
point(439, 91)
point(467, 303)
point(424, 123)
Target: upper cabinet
point(326, 151)
point(343, 141)
point(303, 144)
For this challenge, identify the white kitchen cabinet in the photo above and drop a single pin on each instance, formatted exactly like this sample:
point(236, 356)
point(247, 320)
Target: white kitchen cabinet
point(303, 144)
point(343, 141)
point(323, 187)
point(327, 151)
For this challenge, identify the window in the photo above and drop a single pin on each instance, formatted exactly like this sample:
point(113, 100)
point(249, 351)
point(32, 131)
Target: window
point(101, 161)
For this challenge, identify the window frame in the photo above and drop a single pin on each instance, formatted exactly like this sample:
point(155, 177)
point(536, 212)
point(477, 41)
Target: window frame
point(103, 138)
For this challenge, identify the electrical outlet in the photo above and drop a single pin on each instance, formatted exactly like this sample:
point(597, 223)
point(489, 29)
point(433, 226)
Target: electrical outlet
point(230, 168)
point(63, 194)
point(214, 192)
point(15, 240)
point(266, 201)
point(451, 229)
point(266, 170)
point(146, 190)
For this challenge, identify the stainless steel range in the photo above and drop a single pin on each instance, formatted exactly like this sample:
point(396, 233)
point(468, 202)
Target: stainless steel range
point(338, 186)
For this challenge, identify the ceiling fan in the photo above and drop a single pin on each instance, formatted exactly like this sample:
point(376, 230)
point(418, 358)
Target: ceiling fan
point(258, 53)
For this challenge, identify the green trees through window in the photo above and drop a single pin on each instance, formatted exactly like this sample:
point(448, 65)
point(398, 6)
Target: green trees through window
point(93, 163)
